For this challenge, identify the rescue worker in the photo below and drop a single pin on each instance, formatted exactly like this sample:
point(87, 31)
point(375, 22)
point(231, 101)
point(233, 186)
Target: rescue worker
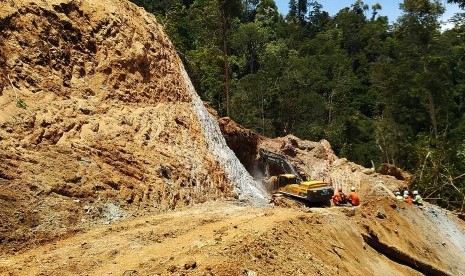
point(407, 197)
point(399, 196)
point(417, 200)
point(339, 198)
point(353, 198)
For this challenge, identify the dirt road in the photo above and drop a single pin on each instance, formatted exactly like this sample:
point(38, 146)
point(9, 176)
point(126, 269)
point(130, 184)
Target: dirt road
point(217, 239)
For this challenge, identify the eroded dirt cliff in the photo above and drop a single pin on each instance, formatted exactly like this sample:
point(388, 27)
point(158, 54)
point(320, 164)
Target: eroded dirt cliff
point(99, 121)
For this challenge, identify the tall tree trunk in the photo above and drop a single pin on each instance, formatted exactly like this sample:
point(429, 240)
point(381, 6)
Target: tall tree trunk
point(225, 58)
point(432, 113)
point(432, 108)
point(226, 75)
point(463, 206)
point(330, 106)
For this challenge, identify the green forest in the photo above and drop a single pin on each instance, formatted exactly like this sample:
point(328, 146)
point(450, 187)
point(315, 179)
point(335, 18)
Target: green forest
point(380, 90)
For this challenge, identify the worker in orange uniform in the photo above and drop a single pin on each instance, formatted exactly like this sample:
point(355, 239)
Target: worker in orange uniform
point(353, 198)
point(407, 197)
point(339, 198)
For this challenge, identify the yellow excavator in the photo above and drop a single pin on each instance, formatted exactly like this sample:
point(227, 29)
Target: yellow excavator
point(291, 183)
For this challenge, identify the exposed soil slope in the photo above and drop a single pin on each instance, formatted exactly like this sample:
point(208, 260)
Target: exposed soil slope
point(99, 121)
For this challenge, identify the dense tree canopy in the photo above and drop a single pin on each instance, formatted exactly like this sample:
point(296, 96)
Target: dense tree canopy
point(379, 92)
point(460, 2)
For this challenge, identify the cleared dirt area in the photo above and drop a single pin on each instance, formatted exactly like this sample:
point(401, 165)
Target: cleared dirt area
point(228, 239)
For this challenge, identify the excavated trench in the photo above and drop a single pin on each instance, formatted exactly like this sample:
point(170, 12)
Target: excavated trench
point(244, 143)
point(400, 257)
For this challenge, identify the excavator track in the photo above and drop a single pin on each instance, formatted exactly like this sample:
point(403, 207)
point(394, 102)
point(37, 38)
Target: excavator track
point(301, 200)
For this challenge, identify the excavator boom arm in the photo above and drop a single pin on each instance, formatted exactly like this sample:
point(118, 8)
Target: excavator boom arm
point(271, 157)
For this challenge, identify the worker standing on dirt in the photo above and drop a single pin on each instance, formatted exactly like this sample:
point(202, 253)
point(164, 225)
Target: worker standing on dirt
point(399, 196)
point(353, 198)
point(407, 197)
point(339, 198)
point(417, 200)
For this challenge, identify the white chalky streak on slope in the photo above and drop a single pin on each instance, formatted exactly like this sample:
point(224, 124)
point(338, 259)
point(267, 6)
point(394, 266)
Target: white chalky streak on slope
point(448, 227)
point(245, 185)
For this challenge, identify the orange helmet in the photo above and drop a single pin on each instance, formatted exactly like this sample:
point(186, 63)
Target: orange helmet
point(339, 190)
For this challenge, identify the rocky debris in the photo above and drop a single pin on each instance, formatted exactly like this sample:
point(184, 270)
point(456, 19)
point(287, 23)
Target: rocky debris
point(113, 213)
point(172, 268)
point(230, 239)
point(130, 272)
point(191, 264)
point(380, 214)
point(243, 142)
point(248, 272)
point(368, 171)
point(448, 228)
point(403, 257)
point(389, 169)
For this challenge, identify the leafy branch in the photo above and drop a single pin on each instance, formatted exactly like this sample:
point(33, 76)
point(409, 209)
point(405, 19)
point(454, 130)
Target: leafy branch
point(19, 102)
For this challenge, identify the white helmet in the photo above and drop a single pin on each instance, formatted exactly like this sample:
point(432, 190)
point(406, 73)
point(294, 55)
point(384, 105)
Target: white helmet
point(397, 193)
point(415, 192)
point(405, 192)
point(352, 189)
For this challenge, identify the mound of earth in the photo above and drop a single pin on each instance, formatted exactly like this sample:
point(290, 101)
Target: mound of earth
point(228, 239)
point(99, 121)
